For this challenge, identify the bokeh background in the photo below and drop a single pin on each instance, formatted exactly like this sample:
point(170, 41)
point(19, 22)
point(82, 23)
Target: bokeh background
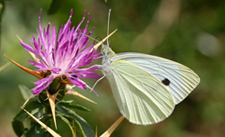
point(191, 32)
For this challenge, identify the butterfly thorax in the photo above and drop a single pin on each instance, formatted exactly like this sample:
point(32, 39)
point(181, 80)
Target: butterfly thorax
point(107, 54)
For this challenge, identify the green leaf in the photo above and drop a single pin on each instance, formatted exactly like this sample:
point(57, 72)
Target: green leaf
point(18, 127)
point(79, 130)
point(83, 126)
point(68, 123)
point(73, 106)
point(32, 107)
point(36, 131)
point(26, 93)
point(21, 116)
point(55, 5)
point(17, 123)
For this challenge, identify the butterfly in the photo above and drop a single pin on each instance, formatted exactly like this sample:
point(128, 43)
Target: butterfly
point(146, 88)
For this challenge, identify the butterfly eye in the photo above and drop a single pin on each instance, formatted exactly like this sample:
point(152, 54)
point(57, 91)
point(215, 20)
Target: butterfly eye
point(166, 82)
point(105, 52)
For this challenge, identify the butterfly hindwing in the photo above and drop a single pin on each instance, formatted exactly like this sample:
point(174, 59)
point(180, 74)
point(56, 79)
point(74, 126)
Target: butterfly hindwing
point(141, 98)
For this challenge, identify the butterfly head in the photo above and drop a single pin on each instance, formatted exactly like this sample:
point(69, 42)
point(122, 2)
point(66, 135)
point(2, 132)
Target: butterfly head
point(107, 52)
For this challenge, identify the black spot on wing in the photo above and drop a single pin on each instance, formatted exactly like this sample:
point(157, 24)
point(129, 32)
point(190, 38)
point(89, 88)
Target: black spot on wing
point(166, 82)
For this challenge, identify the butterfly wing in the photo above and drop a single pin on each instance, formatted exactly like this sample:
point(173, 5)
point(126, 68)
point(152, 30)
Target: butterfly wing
point(141, 98)
point(177, 78)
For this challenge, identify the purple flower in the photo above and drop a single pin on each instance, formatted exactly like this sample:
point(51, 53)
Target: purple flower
point(65, 55)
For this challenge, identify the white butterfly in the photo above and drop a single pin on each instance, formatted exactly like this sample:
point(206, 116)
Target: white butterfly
point(146, 88)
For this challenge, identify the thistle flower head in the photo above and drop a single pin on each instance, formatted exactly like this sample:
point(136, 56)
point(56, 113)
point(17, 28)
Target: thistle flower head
point(66, 54)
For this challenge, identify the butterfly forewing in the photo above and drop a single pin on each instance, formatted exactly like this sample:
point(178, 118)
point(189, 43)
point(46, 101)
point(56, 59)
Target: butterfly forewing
point(177, 78)
point(141, 97)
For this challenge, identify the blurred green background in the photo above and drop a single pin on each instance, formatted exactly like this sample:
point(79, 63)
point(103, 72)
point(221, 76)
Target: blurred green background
point(191, 32)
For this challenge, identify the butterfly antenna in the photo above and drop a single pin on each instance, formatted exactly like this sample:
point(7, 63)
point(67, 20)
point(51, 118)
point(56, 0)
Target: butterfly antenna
point(95, 39)
point(108, 26)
